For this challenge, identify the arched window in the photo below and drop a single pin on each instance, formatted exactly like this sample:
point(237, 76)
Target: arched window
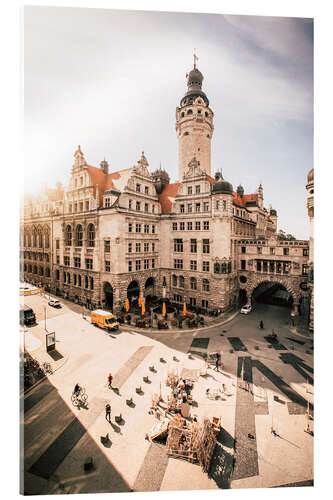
point(193, 283)
point(190, 112)
point(91, 235)
point(47, 272)
point(205, 285)
point(29, 240)
point(183, 114)
point(47, 240)
point(68, 236)
point(181, 282)
point(40, 239)
point(174, 280)
point(186, 133)
point(79, 236)
point(35, 239)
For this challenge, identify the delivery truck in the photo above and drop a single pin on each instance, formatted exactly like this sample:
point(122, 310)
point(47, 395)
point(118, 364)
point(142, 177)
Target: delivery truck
point(104, 319)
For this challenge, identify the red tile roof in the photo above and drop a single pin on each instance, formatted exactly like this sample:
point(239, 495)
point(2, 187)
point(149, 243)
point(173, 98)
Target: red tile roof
point(169, 191)
point(240, 201)
point(103, 181)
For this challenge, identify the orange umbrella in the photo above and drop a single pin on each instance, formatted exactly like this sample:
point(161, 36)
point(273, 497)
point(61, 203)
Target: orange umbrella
point(143, 308)
point(140, 300)
point(184, 309)
point(163, 310)
point(127, 305)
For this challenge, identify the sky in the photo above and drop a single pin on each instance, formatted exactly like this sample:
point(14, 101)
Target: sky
point(111, 80)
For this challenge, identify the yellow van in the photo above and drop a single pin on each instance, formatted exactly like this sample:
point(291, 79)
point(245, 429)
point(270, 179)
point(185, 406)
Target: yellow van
point(104, 319)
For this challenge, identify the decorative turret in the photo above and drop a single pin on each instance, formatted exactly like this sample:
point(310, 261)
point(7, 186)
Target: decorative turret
point(260, 196)
point(220, 185)
point(104, 166)
point(240, 190)
point(194, 124)
point(79, 158)
point(160, 179)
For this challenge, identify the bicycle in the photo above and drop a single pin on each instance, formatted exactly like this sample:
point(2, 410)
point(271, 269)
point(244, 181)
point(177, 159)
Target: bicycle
point(81, 396)
point(47, 368)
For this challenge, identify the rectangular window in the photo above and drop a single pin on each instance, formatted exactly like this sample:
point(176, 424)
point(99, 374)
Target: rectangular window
point(197, 207)
point(91, 283)
point(243, 265)
point(153, 247)
point(107, 247)
point(137, 265)
point(74, 279)
point(137, 206)
point(138, 247)
point(182, 226)
point(258, 265)
point(286, 251)
point(193, 301)
point(57, 259)
point(89, 263)
point(107, 266)
point(81, 206)
point(75, 207)
point(259, 250)
point(153, 263)
point(174, 226)
point(146, 264)
point(146, 207)
point(206, 206)
point(178, 245)
point(146, 247)
point(137, 188)
point(77, 262)
point(206, 225)
point(130, 204)
point(189, 189)
point(153, 209)
point(146, 190)
point(193, 265)
point(58, 245)
point(305, 269)
point(177, 298)
point(243, 249)
point(66, 260)
point(205, 246)
point(204, 304)
point(205, 266)
point(178, 263)
point(189, 226)
point(182, 209)
point(129, 265)
point(146, 228)
point(181, 282)
point(79, 280)
point(87, 205)
point(86, 281)
point(57, 274)
point(138, 228)
point(305, 252)
point(107, 203)
point(197, 189)
point(197, 225)
point(278, 267)
point(153, 228)
point(189, 208)
point(271, 266)
point(272, 251)
point(130, 227)
point(70, 208)
point(129, 248)
point(194, 246)
point(264, 266)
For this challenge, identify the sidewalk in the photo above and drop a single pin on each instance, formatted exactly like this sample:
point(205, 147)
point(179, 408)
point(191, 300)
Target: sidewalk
point(211, 323)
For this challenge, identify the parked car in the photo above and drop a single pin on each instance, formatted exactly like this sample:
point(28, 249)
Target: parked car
point(246, 309)
point(54, 303)
point(27, 316)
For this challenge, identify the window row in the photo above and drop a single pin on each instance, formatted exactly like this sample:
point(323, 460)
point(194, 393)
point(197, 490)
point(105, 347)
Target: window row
point(77, 261)
point(79, 206)
point(272, 251)
point(179, 282)
point(37, 239)
point(37, 270)
point(137, 265)
point(140, 206)
point(138, 227)
point(178, 245)
point(76, 280)
point(145, 247)
point(194, 207)
point(78, 236)
point(190, 226)
point(193, 189)
point(37, 256)
point(223, 267)
point(192, 300)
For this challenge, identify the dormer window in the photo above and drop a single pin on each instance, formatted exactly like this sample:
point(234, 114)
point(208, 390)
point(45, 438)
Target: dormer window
point(190, 112)
point(107, 202)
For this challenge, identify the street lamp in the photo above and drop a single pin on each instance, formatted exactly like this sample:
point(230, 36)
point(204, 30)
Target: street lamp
point(45, 318)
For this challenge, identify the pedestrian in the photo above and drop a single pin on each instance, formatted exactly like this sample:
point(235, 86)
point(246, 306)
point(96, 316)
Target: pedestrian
point(108, 412)
point(110, 380)
point(217, 361)
point(261, 324)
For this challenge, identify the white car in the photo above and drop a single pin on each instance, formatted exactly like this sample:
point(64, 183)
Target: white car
point(246, 309)
point(54, 303)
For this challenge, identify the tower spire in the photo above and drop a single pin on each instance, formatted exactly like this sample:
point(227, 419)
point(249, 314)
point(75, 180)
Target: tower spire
point(195, 59)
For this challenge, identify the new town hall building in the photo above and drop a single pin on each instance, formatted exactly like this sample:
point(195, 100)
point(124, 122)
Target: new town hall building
point(113, 234)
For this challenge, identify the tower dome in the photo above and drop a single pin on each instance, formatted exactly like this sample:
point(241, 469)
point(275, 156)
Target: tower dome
point(240, 190)
point(194, 84)
point(221, 186)
point(311, 176)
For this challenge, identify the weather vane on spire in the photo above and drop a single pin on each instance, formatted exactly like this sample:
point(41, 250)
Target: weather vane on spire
point(196, 58)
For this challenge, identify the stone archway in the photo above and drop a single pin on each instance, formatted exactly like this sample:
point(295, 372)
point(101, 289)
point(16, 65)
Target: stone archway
point(149, 289)
point(108, 296)
point(283, 283)
point(133, 291)
point(242, 297)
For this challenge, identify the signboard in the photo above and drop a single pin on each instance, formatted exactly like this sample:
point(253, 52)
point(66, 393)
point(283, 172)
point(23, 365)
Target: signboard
point(50, 341)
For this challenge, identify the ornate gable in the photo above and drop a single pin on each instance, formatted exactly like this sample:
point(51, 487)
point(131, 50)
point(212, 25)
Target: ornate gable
point(193, 169)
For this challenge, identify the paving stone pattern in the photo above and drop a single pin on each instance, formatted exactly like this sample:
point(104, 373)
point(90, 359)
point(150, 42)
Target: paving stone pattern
point(237, 344)
point(298, 364)
point(130, 366)
point(277, 346)
point(200, 342)
point(152, 471)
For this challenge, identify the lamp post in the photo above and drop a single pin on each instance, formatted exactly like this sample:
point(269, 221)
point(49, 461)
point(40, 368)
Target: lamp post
point(45, 318)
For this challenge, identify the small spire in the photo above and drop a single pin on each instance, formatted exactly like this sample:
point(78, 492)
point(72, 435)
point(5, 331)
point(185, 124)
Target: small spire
point(195, 59)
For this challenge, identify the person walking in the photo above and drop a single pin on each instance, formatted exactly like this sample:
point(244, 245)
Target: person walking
point(108, 412)
point(217, 362)
point(261, 324)
point(110, 380)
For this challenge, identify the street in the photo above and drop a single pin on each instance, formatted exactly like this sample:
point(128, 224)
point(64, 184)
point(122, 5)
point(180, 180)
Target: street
point(262, 443)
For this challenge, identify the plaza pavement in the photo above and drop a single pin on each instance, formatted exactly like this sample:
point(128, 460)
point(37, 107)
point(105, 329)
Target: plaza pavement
point(58, 436)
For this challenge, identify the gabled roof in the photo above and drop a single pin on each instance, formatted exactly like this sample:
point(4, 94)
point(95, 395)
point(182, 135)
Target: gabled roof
point(104, 182)
point(167, 197)
point(241, 201)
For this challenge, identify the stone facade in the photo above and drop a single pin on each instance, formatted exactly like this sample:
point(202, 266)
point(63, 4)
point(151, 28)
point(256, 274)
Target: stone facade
point(114, 234)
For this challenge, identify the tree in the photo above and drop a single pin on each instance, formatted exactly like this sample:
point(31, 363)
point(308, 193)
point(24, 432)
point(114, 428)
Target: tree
point(281, 235)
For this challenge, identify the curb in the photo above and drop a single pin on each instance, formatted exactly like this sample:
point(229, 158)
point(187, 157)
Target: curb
point(300, 334)
point(24, 393)
point(180, 330)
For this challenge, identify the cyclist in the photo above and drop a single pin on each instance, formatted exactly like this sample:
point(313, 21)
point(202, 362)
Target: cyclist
point(77, 390)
